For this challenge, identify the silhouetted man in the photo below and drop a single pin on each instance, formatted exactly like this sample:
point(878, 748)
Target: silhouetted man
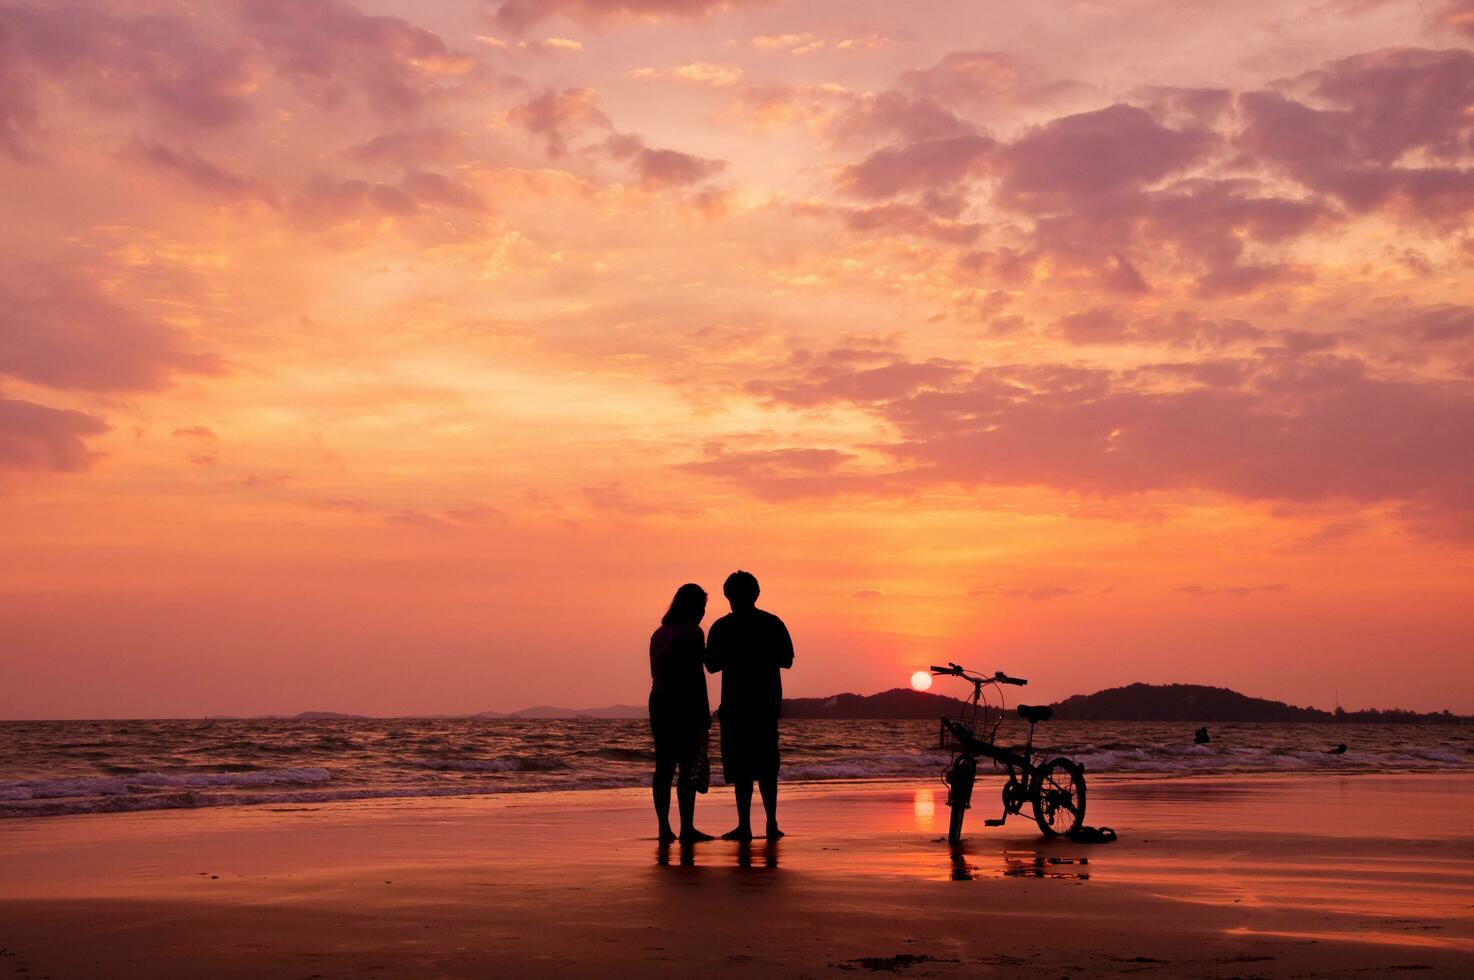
point(749, 646)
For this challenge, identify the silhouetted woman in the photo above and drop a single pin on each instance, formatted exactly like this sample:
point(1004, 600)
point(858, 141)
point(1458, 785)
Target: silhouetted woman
point(680, 715)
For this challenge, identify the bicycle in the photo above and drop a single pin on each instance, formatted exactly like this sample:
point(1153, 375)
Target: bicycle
point(1056, 789)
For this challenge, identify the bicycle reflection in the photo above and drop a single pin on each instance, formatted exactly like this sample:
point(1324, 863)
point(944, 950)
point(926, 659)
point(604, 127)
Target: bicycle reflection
point(1020, 864)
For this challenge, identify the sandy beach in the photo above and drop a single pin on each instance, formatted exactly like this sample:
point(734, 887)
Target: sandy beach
point(1263, 877)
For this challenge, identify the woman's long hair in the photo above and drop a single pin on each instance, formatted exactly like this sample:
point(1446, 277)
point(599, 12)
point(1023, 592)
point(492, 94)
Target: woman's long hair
point(687, 608)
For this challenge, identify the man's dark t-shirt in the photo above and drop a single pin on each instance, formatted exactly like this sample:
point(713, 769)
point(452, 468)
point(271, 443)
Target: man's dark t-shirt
point(749, 647)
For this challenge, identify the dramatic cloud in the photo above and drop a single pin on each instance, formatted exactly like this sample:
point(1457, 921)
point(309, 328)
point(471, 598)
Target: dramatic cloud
point(929, 165)
point(663, 168)
point(983, 79)
point(157, 62)
point(559, 117)
point(1076, 159)
point(408, 148)
point(36, 437)
point(332, 51)
point(205, 176)
point(517, 15)
point(58, 331)
point(1395, 131)
point(325, 201)
point(784, 474)
point(1282, 426)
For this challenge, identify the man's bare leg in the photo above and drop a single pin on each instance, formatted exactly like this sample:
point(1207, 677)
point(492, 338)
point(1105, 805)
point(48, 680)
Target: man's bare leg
point(768, 786)
point(743, 830)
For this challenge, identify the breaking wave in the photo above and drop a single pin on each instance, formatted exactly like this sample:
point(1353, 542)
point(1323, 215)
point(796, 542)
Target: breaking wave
point(57, 768)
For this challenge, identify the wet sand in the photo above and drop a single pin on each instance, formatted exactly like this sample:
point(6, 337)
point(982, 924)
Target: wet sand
point(1261, 877)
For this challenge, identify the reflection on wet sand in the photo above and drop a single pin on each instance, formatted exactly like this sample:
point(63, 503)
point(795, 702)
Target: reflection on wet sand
point(758, 853)
point(1013, 863)
point(1032, 864)
point(924, 807)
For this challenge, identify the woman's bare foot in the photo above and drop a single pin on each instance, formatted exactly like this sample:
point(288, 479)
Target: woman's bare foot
point(692, 836)
point(773, 833)
point(667, 836)
point(740, 832)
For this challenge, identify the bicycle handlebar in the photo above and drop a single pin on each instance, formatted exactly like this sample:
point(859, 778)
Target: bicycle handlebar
point(999, 676)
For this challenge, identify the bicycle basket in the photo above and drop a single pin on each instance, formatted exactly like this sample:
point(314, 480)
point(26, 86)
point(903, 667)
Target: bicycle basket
point(982, 725)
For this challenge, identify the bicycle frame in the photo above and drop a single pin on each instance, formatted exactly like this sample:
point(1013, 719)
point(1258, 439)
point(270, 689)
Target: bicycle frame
point(1025, 781)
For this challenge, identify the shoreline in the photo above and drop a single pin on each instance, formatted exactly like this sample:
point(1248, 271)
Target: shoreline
point(370, 796)
point(1219, 877)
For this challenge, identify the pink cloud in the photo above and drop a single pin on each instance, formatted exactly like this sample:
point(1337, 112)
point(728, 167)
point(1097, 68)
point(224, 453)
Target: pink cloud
point(59, 330)
point(36, 437)
point(1458, 15)
point(332, 51)
point(200, 173)
point(791, 473)
point(1281, 424)
point(325, 201)
point(407, 148)
point(518, 15)
point(559, 117)
point(982, 79)
point(927, 165)
point(892, 114)
point(1076, 159)
point(662, 167)
point(1393, 134)
point(158, 62)
point(858, 376)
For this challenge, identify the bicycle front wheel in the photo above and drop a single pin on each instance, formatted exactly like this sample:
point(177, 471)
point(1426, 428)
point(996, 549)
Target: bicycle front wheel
point(954, 828)
point(1059, 797)
point(960, 780)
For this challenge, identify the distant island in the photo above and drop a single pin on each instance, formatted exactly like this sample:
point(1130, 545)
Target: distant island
point(1134, 702)
point(1197, 702)
point(548, 711)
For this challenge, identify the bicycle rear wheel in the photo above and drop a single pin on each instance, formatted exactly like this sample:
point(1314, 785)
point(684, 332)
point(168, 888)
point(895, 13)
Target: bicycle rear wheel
point(1059, 797)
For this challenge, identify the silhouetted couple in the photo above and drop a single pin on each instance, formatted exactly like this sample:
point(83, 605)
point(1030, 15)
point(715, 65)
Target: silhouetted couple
point(749, 647)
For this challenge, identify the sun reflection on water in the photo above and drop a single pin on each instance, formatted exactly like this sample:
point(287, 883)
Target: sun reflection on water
point(924, 806)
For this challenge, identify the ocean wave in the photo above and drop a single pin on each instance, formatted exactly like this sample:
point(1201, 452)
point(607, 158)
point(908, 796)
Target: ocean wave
point(148, 782)
point(533, 763)
point(168, 765)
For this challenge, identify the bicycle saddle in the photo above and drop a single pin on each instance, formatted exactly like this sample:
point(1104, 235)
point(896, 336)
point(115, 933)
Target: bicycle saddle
point(1035, 713)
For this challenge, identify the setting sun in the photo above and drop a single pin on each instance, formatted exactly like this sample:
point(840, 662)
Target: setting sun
point(921, 680)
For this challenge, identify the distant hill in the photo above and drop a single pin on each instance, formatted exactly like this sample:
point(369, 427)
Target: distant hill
point(1134, 702)
point(548, 711)
point(900, 702)
point(1197, 702)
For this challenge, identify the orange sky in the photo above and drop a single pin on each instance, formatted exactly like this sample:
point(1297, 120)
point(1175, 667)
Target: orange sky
point(388, 359)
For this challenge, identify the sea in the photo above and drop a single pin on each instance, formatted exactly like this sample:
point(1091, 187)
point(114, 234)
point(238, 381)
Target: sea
point(55, 768)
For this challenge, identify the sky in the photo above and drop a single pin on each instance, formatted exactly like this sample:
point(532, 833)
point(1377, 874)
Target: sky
point(391, 357)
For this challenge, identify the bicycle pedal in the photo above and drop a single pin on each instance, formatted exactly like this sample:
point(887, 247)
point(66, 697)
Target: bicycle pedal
point(993, 823)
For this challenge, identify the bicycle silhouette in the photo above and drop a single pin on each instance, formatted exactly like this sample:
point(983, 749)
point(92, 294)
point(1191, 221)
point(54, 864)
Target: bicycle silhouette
point(1056, 789)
